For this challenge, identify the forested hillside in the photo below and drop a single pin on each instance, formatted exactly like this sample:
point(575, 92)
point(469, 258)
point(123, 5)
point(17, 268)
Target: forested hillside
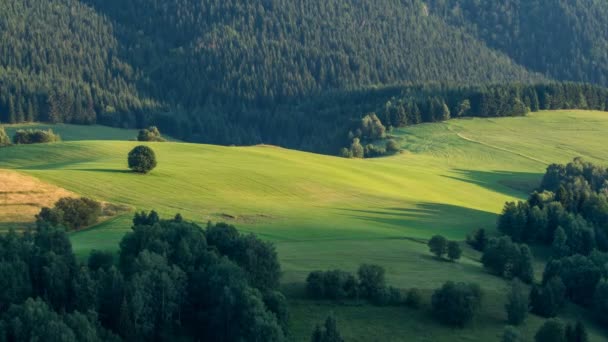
point(265, 71)
point(562, 39)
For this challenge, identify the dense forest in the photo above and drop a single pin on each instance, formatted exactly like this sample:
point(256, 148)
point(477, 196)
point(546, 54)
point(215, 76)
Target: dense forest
point(285, 73)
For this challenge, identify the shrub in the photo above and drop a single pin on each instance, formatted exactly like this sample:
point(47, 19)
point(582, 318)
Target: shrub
point(100, 260)
point(454, 251)
point(339, 285)
point(4, 139)
point(371, 281)
point(392, 146)
point(478, 239)
point(329, 332)
point(547, 300)
point(576, 333)
point(388, 296)
point(413, 298)
point(356, 149)
point(38, 136)
point(73, 213)
point(507, 259)
point(438, 245)
point(315, 284)
point(456, 303)
point(517, 303)
point(372, 151)
point(600, 301)
point(150, 134)
point(511, 334)
point(142, 159)
point(552, 331)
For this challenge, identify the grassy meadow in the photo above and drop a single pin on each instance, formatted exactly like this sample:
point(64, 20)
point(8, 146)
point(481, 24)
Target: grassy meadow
point(326, 212)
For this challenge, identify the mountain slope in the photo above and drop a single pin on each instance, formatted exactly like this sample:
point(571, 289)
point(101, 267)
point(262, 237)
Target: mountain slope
point(563, 39)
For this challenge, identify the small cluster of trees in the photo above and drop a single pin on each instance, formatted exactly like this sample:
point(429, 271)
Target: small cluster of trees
point(507, 259)
point(71, 213)
point(369, 284)
point(544, 301)
point(554, 330)
point(150, 134)
point(35, 136)
point(456, 303)
point(569, 211)
point(440, 246)
point(369, 131)
point(173, 280)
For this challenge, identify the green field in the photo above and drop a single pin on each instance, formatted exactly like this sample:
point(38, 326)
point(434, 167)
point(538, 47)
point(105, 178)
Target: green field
point(328, 212)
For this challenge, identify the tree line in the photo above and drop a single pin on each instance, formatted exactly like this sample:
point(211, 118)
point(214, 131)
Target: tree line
point(172, 279)
point(569, 212)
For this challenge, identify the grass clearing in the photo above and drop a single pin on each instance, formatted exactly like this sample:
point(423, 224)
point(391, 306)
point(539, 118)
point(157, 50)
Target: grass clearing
point(325, 212)
point(22, 197)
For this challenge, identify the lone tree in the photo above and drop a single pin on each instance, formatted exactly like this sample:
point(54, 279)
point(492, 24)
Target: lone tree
point(438, 245)
point(454, 251)
point(142, 159)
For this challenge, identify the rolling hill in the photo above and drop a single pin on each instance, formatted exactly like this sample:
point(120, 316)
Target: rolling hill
point(325, 212)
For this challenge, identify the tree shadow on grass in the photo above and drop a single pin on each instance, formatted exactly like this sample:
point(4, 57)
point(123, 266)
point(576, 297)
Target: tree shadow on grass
point(104, 170)
point(427, 219)
point(515, 184)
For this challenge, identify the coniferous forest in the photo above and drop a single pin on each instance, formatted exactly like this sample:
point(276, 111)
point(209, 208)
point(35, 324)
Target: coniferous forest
point(297, 75)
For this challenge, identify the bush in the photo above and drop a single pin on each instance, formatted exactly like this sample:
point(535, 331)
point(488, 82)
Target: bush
point(388, 296)
point(372, 151)
point(517, 303)
point(438, 245)
point(507, 259)
point(576, 333)
point(413, 299)
point(456, 303)
point(547, 300)
point(600, 301)
point(315, 284)
point(4, 139)
point(511, 334)
point(100, 260)
point(329, 332)
point(38, 136)
point(150, 134)
point(552, 331)
point(371, 281)
point(392, 146)
point(339, 285)
point(454, 251)
point(478, 239)
point(72, 213)
point(142, 159)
